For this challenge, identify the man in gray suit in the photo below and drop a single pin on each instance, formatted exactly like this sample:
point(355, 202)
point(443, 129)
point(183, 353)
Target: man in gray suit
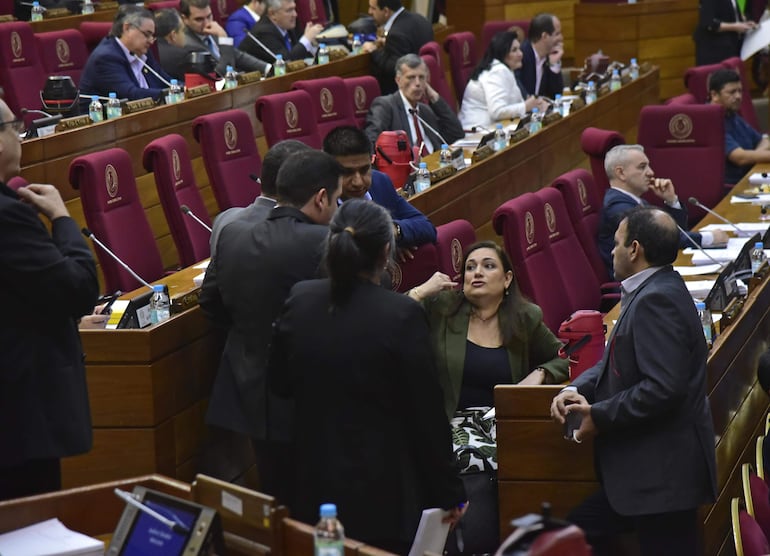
point(645, 402)
point(405, 110)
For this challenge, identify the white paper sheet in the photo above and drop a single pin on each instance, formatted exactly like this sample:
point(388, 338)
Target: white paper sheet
point(48, 538)
point(698, 270)
point(431, 533)
point(756, 40)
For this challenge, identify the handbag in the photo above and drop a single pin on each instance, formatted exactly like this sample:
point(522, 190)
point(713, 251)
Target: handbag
point(471, 429)
point(393, 156)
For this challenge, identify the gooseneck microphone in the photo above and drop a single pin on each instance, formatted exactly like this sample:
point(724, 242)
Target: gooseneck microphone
point(694, 201)
point(426, 124)
point(255, 178)
point(262, 45)
point(25, 111)
point(89, 234)
point(191, 214)
point(477, 128)
point(699, 248)
point(148, 67)
point(173, 524)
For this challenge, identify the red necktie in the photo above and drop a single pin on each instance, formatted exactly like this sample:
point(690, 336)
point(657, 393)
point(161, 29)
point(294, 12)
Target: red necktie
point(418, 135)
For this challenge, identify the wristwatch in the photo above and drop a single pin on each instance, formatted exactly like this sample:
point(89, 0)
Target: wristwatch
point(398, 231)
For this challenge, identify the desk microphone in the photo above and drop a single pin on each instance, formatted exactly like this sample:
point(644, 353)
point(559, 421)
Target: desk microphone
point(414, 112)
point(90, 235)
point(148, 67)
point(694, 201)
point(256, 178)
point(262, 45)
point(174, 524)
point(89, 97)
point(477, 128)
point(699, 248)
point(25, 111)
point(191, 214)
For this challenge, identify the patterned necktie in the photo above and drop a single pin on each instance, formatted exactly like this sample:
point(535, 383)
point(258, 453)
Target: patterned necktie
point(212, 46)
point(419, 141)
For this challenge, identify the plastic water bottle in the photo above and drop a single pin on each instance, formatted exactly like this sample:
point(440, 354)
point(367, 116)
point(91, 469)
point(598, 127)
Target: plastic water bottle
point(175, 93)
point(535, 122)
point(558, 105)
point(615, 80)
point(633, 69)
point(757, 256)
point(706, 321)
point(231, 78)
point(279, 67)
point(160, 306)
point(329, 535)
point(591, 93)
point(95, 111)
point(357, 44)
point(114, 109)
point(37, 11)
point(88, 7)
point(422, 181)
point(501, 139)
point(323, 53)
point(445, 156)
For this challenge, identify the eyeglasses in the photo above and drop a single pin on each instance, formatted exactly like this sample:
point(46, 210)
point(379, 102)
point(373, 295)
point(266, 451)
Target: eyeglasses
point(16, 124)
point(149, 35)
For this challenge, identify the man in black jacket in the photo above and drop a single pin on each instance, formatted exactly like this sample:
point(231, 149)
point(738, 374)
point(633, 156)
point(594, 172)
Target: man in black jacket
point(540, 70)
point(276, 30)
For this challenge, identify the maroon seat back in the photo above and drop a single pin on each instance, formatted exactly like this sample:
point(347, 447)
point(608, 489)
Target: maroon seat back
point(452, 239)
point(413, 272)
point(595, 143)
point(93, 32)
point(331, 102)
point(168, 158)
point(760, 501)
point(164, 5)
point(16, 182)
point(114, 213)
point(584, 205)
point(230, 156)
point(461, 48)
point(686, 143)
point(362, 91)
point(63, 53)
point(438, 81)
point(747, 534)
point(311, 11)
point(521, 222)
point(21, 73)
point(492, 28)
point(684, 98)
point(221, 9)
point(288, 115)
point(432, 48)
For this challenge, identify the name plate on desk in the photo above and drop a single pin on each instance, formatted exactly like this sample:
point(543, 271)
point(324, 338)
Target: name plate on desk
point(249, 77)
point(197, 91)
point(57, 12)
point(181, 303)
point(442, 173)
point(518, 135)
point(73, 123)
point(550, 118)
point(7, 17)
point(104, 6)
point(577, 104)
point(295, 65)
point(134, 106)
point(645, 67)
point(603, 90)
point(481, 153)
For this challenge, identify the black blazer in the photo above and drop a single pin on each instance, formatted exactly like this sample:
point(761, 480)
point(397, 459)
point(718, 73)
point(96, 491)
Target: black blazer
point(409, 32)
point(47, 282)
point(245, 287)
point(370, 431)
point(655, 447)
point(266, 31)
point(551, 84)
point(711, 46)
point(387, 113)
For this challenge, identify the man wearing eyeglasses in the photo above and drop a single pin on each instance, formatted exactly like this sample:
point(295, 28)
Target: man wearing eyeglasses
point(123, 63)
point(48, 280)
point(278, 33)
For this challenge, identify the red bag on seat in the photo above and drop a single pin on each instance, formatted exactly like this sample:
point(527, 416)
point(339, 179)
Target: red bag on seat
point(392, 156)
point(583, 337)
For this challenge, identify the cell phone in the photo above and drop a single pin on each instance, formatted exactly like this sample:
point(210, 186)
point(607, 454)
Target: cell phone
point(106, 310)
point(572, 423)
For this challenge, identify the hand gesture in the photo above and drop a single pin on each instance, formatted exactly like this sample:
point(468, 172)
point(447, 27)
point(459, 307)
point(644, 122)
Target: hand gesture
point(45, 198)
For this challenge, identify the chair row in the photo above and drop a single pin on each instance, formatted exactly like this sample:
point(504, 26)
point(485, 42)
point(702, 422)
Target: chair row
point(750, 516)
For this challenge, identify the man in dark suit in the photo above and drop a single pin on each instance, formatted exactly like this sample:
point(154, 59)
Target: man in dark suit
point(645, 402)
point(352, 149)
point(120, 63)
point(540, 70)
point(631, 176)
point(404, 33)
point(204, 34)
point(405, 110)
point(277, 31)
point(48, 281)
point(245, 286)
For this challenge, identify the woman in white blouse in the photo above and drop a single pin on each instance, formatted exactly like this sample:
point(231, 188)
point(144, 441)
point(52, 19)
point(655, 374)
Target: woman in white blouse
point(492, 93)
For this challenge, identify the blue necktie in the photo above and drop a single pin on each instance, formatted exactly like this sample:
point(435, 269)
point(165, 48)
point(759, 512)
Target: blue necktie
point(287, 40)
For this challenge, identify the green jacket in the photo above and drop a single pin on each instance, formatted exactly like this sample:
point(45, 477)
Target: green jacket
point(449, 334)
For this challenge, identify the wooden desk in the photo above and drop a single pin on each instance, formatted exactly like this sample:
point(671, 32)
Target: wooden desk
point(70, 21)
point(536, 465)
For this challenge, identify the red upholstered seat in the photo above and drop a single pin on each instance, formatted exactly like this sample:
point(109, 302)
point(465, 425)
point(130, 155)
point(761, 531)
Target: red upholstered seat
point(452, 239)
point(362, 91)
point(17, 182)
point(491, 28)
point(595, 143)
point(432, 48)
point(756, 493)
point(115, 215)
point(221, 9)
point(438, 81)
point(94, 31)
point(684, 98)
point(463, 57)
point(311, 10)
point(686, 143)
point(230, 156)
point(413, 272)
point(331, 102)
point(521, 222)
point(696, 81)
point(164, 5)
point(288, 115)
point(747, 534)
point(21, 73)
point(168, 158)
point(63, 53)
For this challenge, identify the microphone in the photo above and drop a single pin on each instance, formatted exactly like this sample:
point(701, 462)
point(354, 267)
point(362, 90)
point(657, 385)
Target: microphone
point(174, 524)
point(255, 178)
point(25, 111)
point(478, 128)
point(694, 201)
point(262, 45)
point(86, 95)
point(90, 235)
point(414, 112)
point(191, 214)
point(148, 67)
point(699, 248)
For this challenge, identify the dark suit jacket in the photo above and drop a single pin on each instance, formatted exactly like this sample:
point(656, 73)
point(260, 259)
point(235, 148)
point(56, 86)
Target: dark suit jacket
point(370, 432)
point(711, 46)
point(255, 213)
point(655, 449)
point(416, 229)
point(107, 69)
point(387, 113)
point(616, 205)
point(245, 287)
point(409, 32)
point(47, 281)
point(266, 31)
point(551, 84)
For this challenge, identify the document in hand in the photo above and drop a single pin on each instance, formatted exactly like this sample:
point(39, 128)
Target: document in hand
point(49, 538)
point(431, 533)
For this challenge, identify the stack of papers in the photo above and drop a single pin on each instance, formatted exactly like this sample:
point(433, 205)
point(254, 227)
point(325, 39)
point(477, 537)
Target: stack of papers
point(747, 229)
point(49, 538)
point(733, 249)
point(431, 533)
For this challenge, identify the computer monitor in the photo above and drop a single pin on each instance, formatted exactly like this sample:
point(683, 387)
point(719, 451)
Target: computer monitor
point(743, 260)
point(137, 312)
point(43, 126)
point(724, 290)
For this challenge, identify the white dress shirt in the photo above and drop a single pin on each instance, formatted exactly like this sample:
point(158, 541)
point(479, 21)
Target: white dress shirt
point(494, 96)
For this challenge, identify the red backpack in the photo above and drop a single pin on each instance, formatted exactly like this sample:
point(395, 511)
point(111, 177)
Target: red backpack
point(393, 156)
point(583, 337)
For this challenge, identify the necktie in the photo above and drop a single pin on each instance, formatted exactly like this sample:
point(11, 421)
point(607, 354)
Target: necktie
point(287, 41)
point(419, 141)
point(212, 46)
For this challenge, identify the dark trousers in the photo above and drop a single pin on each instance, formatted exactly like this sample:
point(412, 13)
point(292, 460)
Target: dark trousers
point(30, 478)
point(665, 534)
point(275, 465)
